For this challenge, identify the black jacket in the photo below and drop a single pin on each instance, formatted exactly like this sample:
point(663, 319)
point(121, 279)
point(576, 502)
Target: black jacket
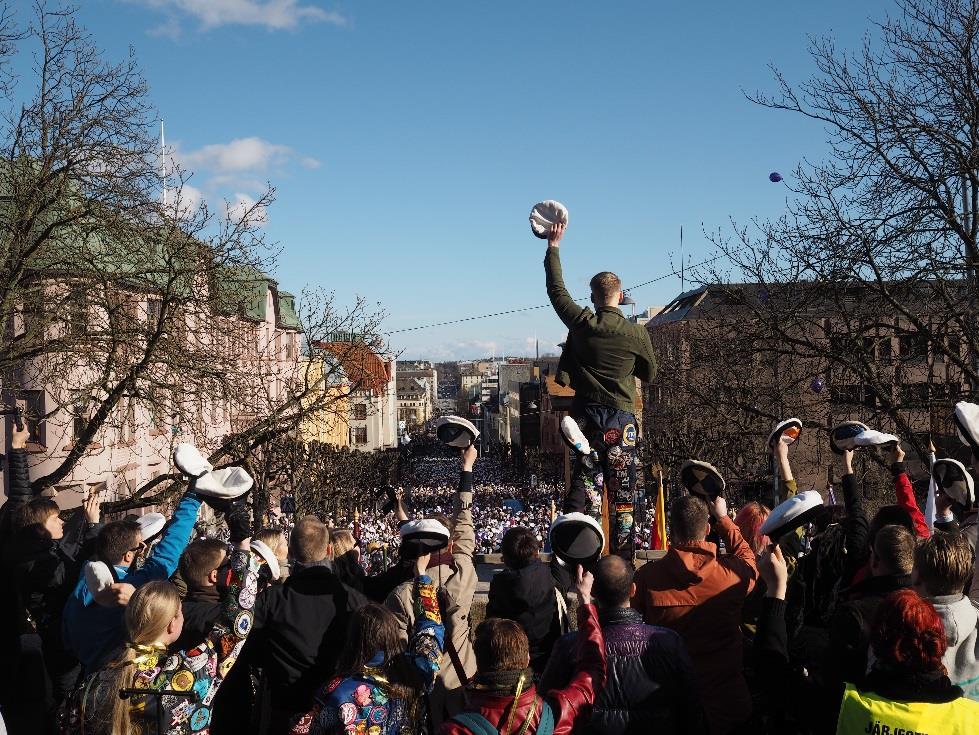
point(300, 630)
point(849, 635)
point(527, 596)
point(650, 686)
point(201, 611)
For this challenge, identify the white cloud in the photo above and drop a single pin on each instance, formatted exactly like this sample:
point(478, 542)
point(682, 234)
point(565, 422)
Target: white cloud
point(274, 15)
point(240, 155)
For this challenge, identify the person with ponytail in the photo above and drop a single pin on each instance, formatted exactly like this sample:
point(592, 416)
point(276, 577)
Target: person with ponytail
point(907, 688)
point(379, 683)
point(146, 689)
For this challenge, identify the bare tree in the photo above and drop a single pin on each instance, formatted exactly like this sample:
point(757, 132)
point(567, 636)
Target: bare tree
point(129, 310)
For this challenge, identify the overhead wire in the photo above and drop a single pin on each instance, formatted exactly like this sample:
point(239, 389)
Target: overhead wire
point(533, 308)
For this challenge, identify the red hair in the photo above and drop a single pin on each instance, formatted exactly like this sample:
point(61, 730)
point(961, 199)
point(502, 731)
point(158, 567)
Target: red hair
point(749, 520)
point(908, 634)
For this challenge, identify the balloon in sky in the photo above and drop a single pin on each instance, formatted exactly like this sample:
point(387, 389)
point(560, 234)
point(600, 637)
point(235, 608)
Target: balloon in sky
point(774, 177)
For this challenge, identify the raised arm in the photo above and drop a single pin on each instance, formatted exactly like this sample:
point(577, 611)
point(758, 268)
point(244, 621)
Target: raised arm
point(787, 486)
point(428, 639)
point(646, 360)
point(566, 307)
point(734, 542)
point(905, 492)
point(857, 538)
point(163, 560)
point(573, 702)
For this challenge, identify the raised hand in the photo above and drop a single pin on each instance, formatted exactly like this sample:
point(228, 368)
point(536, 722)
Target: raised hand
point(93, 507)
point(469, 455)
point(775, 572)
point(557, 232)
point(582, 585)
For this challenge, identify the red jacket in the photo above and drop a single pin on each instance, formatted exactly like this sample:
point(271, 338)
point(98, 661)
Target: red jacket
point(701, 596)
point(571, 705)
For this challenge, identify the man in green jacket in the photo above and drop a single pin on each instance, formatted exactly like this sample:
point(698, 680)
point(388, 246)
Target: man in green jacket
point(603, 355)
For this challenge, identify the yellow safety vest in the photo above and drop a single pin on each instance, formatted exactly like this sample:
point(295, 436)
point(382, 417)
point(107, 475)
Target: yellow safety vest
point(865, 713)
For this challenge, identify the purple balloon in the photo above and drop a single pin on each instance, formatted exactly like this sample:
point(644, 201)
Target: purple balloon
point(817, 385)
point(774, 177)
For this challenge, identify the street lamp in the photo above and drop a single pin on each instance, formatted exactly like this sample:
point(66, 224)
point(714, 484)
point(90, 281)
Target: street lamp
point(627, 300)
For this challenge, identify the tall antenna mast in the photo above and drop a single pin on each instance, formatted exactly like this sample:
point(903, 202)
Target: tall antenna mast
point(682, 289)
point(163, 162)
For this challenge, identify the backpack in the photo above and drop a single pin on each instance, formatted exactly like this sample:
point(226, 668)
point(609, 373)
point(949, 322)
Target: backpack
point(479, 725)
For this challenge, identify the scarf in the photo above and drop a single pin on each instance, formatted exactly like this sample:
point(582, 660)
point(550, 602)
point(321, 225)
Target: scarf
point(442, 558)
point(502, 682)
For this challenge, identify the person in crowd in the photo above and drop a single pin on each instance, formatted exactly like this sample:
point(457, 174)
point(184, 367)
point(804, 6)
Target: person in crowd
point(651, 685)
point(907, 688)
point(749, 520)
point(904, 491)
point(42, 557)
point(200, 566)
point(300, 625)
point(527, 591)
point(945, 574)
point(603, 355)
point(93, 631)
point(276, 540)
point(346, 558)
point(701, 596)
point(455, 576)
point(503, 697)
point(954, 516)
point(144, 688)
point(891, 559)
point(377, 686)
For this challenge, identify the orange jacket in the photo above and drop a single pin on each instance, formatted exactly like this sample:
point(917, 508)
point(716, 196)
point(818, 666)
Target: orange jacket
point(701, 595)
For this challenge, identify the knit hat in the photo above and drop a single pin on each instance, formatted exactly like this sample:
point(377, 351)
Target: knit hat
point(544, 215)
point(262, 550)
point(456, 431)
point(576, 538)
point(423, 536)
point(574, 437)
point(701, 478)
point(150, 525)
point(792, 513)
point(966, 418)
point(954, 480)
point(787, 432)
point(852, 434)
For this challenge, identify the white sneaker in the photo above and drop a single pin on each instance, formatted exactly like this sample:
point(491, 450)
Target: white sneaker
point(574, 436)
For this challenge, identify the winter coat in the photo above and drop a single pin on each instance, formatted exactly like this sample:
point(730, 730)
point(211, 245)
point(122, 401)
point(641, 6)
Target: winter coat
point(527, 595)
point(960, 617)
point(650, 685)
point(364, 702)
point(199, 671)
point(92, 632)
point(701, 596)
point(457, 587)
point(849, 633)
point(300, 628)
point(571, 704)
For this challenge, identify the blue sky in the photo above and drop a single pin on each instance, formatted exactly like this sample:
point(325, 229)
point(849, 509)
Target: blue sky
point(408, 141)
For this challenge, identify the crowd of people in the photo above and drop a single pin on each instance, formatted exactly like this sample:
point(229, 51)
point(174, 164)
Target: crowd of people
point(810, 617)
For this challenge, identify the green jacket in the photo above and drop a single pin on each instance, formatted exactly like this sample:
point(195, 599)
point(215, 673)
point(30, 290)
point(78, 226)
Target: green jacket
point(604, 352)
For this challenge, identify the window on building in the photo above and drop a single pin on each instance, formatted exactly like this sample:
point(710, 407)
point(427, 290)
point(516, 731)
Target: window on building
point(31, 402)
point(79, 415)
point(358, 435)
point(154, 310)
point(359, 412)
point(912, 345)
point(77, 303)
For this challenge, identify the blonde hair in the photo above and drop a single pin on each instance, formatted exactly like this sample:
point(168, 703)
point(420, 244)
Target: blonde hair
point(271, 537)
point(341, 541)
point(150, 610)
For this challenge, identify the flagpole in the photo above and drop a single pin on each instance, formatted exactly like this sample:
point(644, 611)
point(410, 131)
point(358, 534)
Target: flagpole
point(163, 162)
point(930, 509)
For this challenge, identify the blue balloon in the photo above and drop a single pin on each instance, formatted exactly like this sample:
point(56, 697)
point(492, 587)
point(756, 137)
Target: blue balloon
point(817, 385)
point(774, 177)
